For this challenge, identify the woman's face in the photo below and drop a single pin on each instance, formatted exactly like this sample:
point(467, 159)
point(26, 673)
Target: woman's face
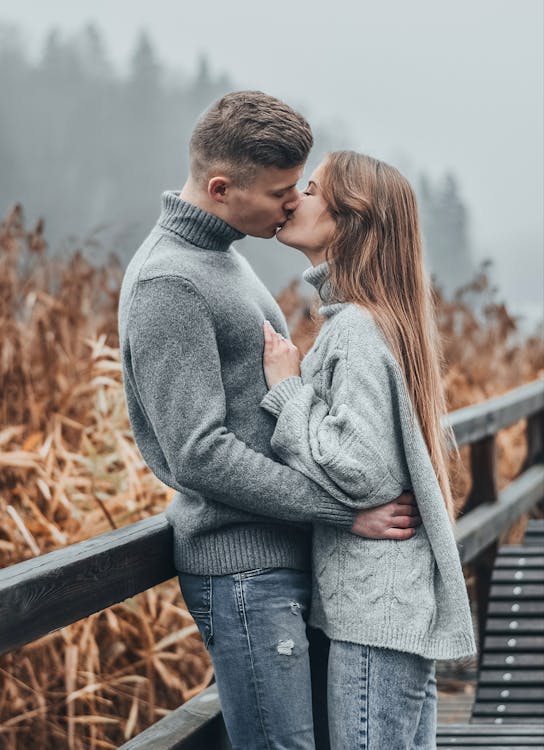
point(310, 227)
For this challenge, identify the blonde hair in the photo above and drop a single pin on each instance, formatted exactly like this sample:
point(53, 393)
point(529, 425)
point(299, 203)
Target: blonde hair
point(376, 261)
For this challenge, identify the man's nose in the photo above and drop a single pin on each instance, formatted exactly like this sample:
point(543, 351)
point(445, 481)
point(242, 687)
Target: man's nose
point(292, 203)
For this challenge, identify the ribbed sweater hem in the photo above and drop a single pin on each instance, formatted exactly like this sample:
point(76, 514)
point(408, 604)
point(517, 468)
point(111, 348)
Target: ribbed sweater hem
point(235, 549)
point(448, 646)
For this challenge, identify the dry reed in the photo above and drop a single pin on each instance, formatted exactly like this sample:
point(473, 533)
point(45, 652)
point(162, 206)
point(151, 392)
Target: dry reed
point(69, 469)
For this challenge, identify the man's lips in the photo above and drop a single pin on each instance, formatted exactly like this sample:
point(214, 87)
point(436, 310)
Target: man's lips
point(282, 224)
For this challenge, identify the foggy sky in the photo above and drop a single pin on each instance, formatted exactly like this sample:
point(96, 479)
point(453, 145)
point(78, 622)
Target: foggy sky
point(426, 84)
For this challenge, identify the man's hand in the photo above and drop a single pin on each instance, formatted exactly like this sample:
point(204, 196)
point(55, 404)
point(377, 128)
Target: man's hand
point(394, 520)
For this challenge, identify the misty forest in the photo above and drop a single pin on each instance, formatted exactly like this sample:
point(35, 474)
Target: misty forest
point(90, 150)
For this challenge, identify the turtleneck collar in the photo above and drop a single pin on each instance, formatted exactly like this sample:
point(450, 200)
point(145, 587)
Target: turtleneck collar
point(318, 277)
point(194, 225)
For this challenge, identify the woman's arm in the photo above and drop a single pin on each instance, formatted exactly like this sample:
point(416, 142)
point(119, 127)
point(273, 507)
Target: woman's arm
point(336, 443)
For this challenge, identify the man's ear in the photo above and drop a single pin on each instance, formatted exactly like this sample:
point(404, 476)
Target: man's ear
point(218, 188)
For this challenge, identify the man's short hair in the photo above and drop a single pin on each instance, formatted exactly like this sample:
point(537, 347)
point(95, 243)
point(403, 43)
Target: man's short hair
point(245, 130)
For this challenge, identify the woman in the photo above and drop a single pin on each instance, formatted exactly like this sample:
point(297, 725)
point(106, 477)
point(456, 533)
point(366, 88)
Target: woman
point(361, 416)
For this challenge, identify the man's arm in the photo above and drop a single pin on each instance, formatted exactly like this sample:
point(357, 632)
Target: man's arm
point(178, 375)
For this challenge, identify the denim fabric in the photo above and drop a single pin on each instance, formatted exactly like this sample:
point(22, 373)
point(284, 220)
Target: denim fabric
point(380, 698)
point(254, 626)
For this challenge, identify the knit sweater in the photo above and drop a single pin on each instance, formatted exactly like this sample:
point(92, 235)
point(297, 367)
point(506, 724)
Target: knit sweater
point(348, 423)
point(191, 318)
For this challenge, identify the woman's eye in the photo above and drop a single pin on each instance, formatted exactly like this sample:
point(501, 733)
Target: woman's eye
point(306, 192)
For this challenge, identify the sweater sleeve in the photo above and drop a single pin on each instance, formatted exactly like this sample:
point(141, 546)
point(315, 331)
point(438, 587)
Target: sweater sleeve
point(177, 370)
point(336, 442)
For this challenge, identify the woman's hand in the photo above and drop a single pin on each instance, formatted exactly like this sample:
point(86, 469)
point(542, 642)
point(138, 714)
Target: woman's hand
point(281, 358)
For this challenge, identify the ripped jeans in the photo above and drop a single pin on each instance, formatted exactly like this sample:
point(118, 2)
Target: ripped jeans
point(254, 627)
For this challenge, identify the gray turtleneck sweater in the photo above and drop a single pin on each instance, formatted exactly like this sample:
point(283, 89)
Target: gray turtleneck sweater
point(191, 318)
point(348, 424)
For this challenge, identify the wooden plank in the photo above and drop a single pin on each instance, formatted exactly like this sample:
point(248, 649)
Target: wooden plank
point(532, 661)
point(517, 591)
point(514, 625)
point(508, 708)
point(524, 608)
point(53, 590)
point(524, 563)
point(509, 550)
point(507, 720)
point(514, 575)
point(514, 643)
point(477, 530)
point(503, 694)
point(194, 726)
point(499, 743)
point(511, 677)
point(473, 730)
point(475, 422)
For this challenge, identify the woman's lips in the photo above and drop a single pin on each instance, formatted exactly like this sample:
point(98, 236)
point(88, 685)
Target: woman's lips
point(281, 226)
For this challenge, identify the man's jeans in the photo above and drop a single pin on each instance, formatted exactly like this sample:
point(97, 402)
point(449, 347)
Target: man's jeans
point(380, 699)
point(254, 626)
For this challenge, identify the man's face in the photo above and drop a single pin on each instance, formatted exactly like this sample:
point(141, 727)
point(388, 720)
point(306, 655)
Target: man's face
point(265, 205)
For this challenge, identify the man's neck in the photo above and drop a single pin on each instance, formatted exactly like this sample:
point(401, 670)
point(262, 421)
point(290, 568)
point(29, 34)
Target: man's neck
point(191, 194)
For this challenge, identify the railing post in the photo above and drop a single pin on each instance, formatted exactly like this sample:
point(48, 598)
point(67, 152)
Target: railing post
point(535, 440)
point(483, 467)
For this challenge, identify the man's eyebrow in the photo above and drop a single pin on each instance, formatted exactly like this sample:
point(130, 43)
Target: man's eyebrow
point(285, 189)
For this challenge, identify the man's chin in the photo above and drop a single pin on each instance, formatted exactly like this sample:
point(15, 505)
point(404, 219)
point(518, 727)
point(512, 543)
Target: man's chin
point(262, 234)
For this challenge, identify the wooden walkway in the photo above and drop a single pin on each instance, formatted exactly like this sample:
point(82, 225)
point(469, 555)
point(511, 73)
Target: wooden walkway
point(501, 704)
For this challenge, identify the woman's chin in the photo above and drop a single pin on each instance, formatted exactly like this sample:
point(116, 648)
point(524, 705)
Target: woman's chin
point(283, 235)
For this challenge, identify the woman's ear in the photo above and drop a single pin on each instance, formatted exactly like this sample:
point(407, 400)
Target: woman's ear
point(218, 188)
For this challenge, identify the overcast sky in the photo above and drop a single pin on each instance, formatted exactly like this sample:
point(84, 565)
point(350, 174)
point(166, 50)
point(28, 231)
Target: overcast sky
point(427, 84)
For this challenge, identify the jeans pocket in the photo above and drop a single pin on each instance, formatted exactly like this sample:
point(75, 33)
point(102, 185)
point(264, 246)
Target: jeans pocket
point(197, 593)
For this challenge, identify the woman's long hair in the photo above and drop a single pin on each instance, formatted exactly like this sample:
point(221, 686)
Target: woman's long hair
point(376, 261)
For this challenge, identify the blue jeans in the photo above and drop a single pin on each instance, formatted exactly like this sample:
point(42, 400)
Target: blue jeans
point(254, 626)
point(380, 698)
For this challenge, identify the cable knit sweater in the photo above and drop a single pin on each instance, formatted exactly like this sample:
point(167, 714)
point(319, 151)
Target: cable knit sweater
point(348, 424)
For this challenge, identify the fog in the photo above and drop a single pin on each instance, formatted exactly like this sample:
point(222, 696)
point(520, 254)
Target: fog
point(434, 88)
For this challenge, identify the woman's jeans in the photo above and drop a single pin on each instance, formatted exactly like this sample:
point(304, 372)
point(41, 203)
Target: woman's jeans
point(254, 626)
point(379, 698)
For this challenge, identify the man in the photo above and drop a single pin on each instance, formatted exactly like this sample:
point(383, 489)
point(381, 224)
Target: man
point(191, 315)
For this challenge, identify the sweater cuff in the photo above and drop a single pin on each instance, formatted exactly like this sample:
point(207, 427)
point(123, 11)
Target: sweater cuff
point(333, 513)
point(280, 394)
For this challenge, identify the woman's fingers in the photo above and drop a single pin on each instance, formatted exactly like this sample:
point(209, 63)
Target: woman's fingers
point(270, 339)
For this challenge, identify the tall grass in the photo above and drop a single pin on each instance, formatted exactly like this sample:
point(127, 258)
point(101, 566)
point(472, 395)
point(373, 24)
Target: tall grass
point(69, 469)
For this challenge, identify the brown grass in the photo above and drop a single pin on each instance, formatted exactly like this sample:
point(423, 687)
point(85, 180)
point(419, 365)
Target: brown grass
point(69, 470)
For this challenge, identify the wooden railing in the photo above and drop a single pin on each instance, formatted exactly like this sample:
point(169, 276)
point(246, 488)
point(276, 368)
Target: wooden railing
point(48, 592)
